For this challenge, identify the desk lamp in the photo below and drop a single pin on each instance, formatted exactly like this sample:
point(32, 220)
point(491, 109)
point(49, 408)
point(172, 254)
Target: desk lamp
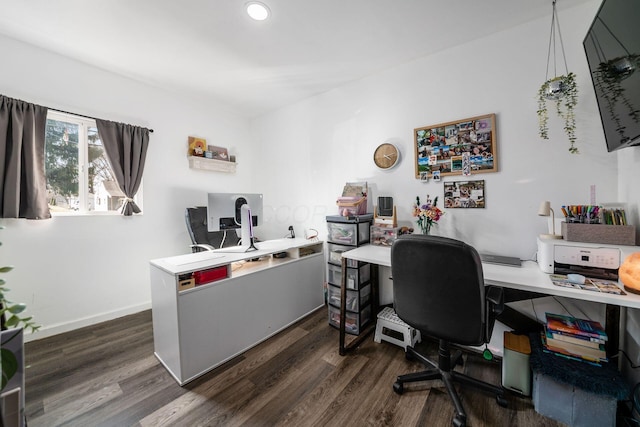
point(545, 210)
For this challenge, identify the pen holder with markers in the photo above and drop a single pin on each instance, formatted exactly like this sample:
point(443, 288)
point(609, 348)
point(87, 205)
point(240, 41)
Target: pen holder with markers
point(606, 224)
point(583, 219)
point(580, 214)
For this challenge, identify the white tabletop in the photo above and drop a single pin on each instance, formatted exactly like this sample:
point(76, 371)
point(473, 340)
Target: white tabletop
point(207, 259)
point(528, 277)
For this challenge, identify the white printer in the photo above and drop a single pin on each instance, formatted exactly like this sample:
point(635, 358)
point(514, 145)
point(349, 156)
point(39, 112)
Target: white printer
point(589, 259)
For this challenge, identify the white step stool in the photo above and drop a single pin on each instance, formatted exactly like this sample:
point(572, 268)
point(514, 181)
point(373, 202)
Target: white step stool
point(388, 321)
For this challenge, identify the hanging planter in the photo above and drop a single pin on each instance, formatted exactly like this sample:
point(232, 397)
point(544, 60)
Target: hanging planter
point(560, 89)
point(564, 92)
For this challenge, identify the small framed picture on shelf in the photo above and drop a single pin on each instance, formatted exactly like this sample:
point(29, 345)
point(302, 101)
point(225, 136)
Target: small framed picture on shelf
point(197, 146)
point(219, 153)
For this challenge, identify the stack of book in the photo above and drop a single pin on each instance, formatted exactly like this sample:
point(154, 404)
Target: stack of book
point(578, 339)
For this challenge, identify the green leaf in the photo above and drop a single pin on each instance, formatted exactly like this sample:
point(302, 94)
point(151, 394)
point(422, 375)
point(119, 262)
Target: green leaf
point(12, 321)
point(17, 308)
point(9, 366)
point(6, 269)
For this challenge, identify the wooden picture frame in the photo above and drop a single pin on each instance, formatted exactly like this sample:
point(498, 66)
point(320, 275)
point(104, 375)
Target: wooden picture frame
point(442, 147)
point(464, 194)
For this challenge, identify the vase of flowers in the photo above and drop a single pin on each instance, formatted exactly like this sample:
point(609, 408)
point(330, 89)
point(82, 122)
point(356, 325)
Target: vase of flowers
point(428, 214)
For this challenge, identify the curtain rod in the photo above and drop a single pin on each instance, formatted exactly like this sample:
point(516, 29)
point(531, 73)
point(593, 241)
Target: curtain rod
point(80, 115)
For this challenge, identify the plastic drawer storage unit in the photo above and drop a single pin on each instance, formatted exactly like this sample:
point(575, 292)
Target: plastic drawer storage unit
point(351, 231)
point(346, 233)
point(356, 276)
point(355, 299)
point(355, 321)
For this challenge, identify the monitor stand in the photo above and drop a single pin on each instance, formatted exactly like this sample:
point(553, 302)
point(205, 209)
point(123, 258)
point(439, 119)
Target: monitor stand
point(246, 233)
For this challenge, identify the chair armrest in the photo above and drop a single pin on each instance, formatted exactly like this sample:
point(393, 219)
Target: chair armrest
point(495, 298)
point(200, 246)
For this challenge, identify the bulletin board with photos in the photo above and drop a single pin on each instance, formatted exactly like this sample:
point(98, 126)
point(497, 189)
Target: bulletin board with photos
point(462, 147)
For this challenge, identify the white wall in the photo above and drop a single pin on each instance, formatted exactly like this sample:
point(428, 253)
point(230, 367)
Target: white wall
point(328, 140)
point(73, 271)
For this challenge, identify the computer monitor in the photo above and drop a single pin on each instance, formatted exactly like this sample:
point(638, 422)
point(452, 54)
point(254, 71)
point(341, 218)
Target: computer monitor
point(224, 210)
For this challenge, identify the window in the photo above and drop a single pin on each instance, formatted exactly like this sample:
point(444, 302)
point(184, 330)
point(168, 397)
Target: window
point(79, 176)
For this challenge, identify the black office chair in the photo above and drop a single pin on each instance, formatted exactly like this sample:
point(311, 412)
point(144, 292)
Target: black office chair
point(438, 288)
point(201, 238)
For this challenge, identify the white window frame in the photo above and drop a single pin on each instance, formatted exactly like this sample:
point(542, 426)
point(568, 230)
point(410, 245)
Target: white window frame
point(84, 124)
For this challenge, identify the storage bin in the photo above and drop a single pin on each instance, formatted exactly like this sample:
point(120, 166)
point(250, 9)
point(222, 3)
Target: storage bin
point(571, 405)
point(356, 277)
point(355, 321)
point(599, 233)
point(516, 372)
point(383, 236)
point(352, 234)
point(335, 255)
point(210, 275)
point(354, 299)
point(352, 205)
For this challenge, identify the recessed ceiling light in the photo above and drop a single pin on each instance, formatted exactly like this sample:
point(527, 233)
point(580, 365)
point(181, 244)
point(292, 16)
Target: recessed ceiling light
point(258, 11)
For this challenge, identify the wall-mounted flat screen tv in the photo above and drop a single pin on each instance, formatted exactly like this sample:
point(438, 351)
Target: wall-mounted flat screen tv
point(612, 46)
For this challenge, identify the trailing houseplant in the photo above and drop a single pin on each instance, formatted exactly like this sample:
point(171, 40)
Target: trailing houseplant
point(608, 79)
point(564, 92)
point(11, 318)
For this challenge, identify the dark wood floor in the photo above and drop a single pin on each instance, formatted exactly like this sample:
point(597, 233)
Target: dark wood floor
point(107, 375)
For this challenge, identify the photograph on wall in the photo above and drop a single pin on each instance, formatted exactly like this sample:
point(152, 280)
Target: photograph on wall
point(464, 194)
point(441, 147)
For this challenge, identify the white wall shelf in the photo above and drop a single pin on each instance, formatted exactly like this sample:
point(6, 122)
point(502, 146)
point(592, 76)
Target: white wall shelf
point(202, 163)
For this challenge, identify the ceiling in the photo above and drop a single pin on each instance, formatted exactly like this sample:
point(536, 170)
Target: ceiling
point(212, 50)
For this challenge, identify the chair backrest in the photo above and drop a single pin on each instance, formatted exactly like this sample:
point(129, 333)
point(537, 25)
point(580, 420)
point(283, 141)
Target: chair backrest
point(438, 288)
point(196, 220)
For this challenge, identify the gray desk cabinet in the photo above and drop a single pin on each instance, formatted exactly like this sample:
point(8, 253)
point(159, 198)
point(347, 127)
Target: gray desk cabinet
point(199, 328)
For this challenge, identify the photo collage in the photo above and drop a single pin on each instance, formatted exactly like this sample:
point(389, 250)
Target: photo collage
point(461, 148)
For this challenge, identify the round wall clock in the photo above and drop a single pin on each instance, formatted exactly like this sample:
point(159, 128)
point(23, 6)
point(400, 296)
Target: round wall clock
point(386, 155)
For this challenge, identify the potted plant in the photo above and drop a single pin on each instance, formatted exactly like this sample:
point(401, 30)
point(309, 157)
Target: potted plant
point(12, 325)
point(564, 92)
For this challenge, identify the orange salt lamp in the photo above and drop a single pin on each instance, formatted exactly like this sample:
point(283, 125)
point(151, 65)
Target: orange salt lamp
point(629, 273)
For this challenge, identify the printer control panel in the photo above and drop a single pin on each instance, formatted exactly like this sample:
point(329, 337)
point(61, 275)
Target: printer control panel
point(607, 258)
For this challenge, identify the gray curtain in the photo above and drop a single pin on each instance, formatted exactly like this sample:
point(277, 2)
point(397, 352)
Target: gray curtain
point(126, 149)
point(23, 184)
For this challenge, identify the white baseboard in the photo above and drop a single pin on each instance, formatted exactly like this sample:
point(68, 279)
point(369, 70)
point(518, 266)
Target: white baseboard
point(51, 330)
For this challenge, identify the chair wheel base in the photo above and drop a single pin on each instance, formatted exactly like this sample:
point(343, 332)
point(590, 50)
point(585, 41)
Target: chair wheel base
point(502, 401)
point(459, 421)
point(398, 387)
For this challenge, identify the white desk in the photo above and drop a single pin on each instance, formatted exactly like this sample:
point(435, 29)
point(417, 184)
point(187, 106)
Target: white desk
point(197, 329)
point(528, 278)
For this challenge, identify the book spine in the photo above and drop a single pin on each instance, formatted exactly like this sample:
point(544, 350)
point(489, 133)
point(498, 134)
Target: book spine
point(569, 357)
point(559, 335)
point(555, 327)
point(572, 325)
